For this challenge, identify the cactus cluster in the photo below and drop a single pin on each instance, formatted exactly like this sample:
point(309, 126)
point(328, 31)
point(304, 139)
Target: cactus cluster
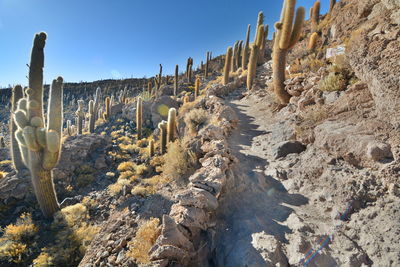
point(40, 143)
point(286, 37)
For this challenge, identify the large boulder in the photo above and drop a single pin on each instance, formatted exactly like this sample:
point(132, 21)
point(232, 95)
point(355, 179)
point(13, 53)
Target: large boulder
point(159, 108)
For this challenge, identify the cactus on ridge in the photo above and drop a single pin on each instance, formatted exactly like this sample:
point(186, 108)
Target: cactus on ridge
point(176, 80)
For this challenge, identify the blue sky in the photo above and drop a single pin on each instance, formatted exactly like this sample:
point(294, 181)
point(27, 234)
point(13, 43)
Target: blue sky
point(98, 39)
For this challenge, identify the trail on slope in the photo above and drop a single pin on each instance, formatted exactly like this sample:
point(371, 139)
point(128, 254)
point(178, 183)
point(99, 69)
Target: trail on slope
point(253, 202)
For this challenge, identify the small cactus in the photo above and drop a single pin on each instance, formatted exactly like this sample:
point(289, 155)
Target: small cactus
point(2, 143)
point(139, 118)
point(287, 36)
point(228, 63)
point(197, 88)
point(40, 144)
point(313, 41)
point(80, 115)
point(151, 148)
point(176, 80)
point(163, 136)
point(107, 114)
point(171, 125)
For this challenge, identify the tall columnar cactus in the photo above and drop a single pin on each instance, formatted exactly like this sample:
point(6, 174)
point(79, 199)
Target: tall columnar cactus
point(97, 99)
point(315, 16)
point(92, 116)
point(80, 115)
point(107, 114)
point(287, 36)
point(228, 63)
point(313, 41)
point(234, 56)
point(40, 144)
point(261, 54)
point(159, 78)
point(149, 87)
point(17, 94)
point(260, 21)
point(207, 65)
point(69, 128)
point(197, 88)
point(189, 71)
point(139, 117)
point(176, 80)
point(331, 5)
point(255, 49)
point(171, 125)
point(163, 136)
point(151, 148)
point(246, 49)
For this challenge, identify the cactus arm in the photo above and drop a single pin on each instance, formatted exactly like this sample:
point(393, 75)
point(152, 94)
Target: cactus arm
point(298, 26)
point(287, 24)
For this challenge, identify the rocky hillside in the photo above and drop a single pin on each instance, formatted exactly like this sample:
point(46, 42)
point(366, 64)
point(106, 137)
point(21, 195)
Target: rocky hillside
point(220, 167)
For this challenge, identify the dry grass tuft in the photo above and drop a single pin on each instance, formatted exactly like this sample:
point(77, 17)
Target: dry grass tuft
point(145, 238)
point(196, 119)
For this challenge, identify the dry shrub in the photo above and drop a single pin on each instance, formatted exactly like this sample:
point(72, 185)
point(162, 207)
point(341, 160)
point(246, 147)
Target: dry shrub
point(145, 238)
point(17, 238)
point(333, 82)
point(196, 119)
point(178, 161)
point(312, 63)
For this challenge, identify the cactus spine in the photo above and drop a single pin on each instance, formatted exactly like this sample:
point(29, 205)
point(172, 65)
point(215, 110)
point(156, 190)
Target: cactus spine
point(80, 115)
point(286, 37)
point(139, 118)
point(17, 94)
point(171, 125)
point(313, 41)
point(246, 49)
point(41, 142)
point(197, 88)
point(176, 80)
point(151, 148)
point(163, 136)
point(228, 63)
point(315, 16)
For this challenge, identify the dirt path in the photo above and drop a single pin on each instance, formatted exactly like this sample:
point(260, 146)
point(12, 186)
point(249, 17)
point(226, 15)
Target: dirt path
point(253, 202)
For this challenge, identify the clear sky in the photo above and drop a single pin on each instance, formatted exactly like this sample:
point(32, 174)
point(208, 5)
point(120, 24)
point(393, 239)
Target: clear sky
point(101, 39)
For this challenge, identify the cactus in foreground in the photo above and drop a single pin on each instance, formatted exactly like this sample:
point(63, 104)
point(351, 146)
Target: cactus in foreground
point(246, 49)
point(40, 144)
point(151, 148)
point(228, 63)
point(17, 94)
point(80, 115)
point(163, 136)
point(139, 118)
point(171, 125)
point(315, 16)
point(286, 37)
point(176, 80)
point(197, 88)
point(313, 41)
